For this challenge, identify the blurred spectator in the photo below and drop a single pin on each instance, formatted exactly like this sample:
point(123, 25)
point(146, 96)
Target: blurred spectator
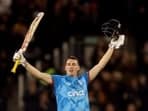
point(44, 101)
point(128, 62)
point(5, 6)
point(131, 107)
point(144, 58)
point(143, 91)
point(110, 107)
point(132, 92)
point(31, 100)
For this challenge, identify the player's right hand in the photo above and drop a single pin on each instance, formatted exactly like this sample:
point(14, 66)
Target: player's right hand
point(20, 57)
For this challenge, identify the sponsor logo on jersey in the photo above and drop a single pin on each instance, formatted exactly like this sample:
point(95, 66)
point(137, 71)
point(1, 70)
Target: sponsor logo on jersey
point(76, 93)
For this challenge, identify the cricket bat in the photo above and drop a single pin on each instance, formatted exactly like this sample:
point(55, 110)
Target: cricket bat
point(33, 26)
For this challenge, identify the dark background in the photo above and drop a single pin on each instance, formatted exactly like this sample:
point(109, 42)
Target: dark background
point(63, 19)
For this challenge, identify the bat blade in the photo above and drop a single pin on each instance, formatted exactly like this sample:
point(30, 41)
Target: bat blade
point(28, 37)
point(31, 30)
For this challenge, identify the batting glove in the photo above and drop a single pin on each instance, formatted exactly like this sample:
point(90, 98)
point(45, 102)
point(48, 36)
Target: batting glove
point(20, 57)
point(117, 43)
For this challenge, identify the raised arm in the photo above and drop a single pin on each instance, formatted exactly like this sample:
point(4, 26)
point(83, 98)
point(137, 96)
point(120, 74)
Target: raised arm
point(114, 44)
point(31, 69)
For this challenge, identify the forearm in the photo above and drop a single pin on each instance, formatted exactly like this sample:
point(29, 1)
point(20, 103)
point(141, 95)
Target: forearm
point(105, 59)
point(37, 74)
point(32, 70)
point(101, 64)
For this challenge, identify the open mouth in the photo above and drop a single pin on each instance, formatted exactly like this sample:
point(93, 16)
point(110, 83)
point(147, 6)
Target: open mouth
point(70, 70)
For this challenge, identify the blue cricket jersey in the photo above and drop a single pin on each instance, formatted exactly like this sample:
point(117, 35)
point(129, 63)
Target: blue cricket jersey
point(71, 92)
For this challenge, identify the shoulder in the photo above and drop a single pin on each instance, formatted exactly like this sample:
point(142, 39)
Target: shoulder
point(83, 74)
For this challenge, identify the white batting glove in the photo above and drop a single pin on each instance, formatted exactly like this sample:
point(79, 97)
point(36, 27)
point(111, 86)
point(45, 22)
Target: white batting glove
point(117, 43)
point(19, 56)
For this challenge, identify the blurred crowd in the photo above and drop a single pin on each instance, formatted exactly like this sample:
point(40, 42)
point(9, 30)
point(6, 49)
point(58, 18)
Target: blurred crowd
point(121, 86)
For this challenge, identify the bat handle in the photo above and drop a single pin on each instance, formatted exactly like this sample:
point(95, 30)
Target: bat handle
point(13, 70)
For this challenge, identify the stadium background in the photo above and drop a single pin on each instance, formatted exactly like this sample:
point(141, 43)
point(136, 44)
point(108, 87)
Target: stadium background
point(73, 27)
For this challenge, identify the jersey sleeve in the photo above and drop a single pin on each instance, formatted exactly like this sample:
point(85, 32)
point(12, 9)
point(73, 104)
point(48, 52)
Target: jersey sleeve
point(56, 80)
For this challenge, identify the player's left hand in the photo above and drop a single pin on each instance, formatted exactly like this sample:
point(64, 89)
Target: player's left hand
point(117, 43)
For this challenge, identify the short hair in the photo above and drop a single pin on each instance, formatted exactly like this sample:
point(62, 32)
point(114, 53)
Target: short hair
point(73, 57)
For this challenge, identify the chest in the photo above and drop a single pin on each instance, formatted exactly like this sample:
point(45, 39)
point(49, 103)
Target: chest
point(72, 88)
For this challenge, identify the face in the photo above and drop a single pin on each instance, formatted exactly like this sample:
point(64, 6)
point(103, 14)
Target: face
point(72, 67)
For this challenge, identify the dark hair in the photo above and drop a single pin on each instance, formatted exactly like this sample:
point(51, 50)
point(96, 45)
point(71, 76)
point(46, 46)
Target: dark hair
point(72, 57)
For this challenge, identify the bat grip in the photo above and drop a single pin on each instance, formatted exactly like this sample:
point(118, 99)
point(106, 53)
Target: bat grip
point(13, 70)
